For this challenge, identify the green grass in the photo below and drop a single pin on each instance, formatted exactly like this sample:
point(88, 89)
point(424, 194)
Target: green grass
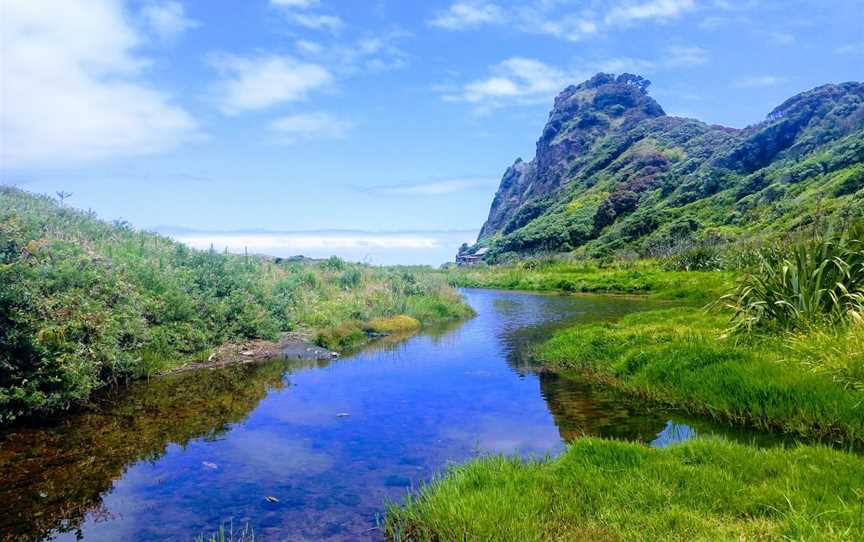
point(810, 384)
point(85, 303)
point(636, 277)
point(616, 491)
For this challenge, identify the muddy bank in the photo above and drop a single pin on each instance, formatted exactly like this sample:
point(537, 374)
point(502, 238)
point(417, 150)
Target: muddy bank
point(296, 345)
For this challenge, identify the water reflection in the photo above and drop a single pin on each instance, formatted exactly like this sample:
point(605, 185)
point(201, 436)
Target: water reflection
point(52, 476)
point(178, 455)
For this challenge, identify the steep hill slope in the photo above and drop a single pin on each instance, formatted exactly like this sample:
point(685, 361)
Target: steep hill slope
point(613, 172)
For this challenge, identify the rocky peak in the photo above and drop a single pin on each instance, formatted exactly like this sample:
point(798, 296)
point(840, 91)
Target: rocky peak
point(581, 115)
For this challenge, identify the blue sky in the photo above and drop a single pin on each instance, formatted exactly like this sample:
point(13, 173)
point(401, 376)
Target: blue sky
point(271, 122)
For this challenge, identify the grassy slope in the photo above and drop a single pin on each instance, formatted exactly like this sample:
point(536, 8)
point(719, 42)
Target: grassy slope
point(607, 490)
point(84, 302)
point(811, 384)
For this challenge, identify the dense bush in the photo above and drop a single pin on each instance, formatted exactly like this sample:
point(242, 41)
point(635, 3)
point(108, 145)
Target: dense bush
point(84, 303)
point(817, 279)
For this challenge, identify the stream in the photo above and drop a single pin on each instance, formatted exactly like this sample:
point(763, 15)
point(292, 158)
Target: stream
point(315, 450)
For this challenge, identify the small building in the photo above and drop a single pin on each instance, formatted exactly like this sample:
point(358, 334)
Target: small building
point(467, 260)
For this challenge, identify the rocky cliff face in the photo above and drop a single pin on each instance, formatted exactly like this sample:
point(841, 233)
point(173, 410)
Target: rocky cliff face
point(612, 171)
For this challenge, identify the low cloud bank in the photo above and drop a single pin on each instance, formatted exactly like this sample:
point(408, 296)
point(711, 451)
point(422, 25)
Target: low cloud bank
point(381, 248)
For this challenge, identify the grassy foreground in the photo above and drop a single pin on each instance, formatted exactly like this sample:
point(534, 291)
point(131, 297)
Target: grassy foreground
point(809, 383)
point(615, 491)
point(84, 303)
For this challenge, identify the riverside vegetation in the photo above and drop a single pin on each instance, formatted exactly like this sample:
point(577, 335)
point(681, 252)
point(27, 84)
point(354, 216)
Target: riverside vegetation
point(85, 303)
point(782, 350)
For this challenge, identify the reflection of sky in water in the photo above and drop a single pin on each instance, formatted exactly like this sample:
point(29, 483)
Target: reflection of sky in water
point(412, 409)
point(672, 433)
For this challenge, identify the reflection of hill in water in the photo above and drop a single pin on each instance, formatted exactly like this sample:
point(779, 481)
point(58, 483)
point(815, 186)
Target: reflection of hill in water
point(52, 476)
point(581, 409)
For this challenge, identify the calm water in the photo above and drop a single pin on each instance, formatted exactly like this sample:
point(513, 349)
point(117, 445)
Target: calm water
point(331, 442)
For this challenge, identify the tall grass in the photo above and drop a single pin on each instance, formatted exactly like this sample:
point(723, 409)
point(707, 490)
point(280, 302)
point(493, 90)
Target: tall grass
point(808, 282)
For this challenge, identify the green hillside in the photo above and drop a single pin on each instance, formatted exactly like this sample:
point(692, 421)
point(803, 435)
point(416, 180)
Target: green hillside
point(85, 303)
point(613, 174)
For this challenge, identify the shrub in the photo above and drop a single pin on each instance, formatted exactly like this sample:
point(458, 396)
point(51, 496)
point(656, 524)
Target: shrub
point(809, 281)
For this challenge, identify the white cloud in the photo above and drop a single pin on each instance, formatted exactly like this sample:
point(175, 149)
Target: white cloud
point(434, 188)
point(517, 79)
point(759, 81)
point(74, 89)
point(556, 18)
point(528, 81)
point(319, 22)
point(372, 54)
point(462, 15)
point(167, 19)
point(253, 83)
point(310, 126)
point(652, 9)
point(393, 247)
point(295, 10)
point(570, 27)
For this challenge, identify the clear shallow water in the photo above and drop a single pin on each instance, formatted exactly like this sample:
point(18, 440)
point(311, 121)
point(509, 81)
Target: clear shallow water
point(331, 441)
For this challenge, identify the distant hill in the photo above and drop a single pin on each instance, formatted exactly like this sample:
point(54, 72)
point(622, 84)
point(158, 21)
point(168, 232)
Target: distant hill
point(612, 172)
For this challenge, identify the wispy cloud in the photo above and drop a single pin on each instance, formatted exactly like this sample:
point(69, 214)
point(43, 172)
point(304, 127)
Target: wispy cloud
point(555, 18)
point(317, 21)
point(75, 87)
point(463, 15)
point(432, 188)
point(759, 81)
point(298, 13)
point(652, 9)
point(315, 125)
point(368, 54)
point(781, 38)
point(850, 49)
point(516, 80)
point(254, 83)
point(528, 81)
point(167, 19)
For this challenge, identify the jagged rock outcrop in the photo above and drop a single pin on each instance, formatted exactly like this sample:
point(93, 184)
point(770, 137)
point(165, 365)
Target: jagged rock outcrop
point(613, 171)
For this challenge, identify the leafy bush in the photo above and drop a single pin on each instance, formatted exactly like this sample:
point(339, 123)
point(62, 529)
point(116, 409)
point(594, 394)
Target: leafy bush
point(85, 303)
point(810, 281)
